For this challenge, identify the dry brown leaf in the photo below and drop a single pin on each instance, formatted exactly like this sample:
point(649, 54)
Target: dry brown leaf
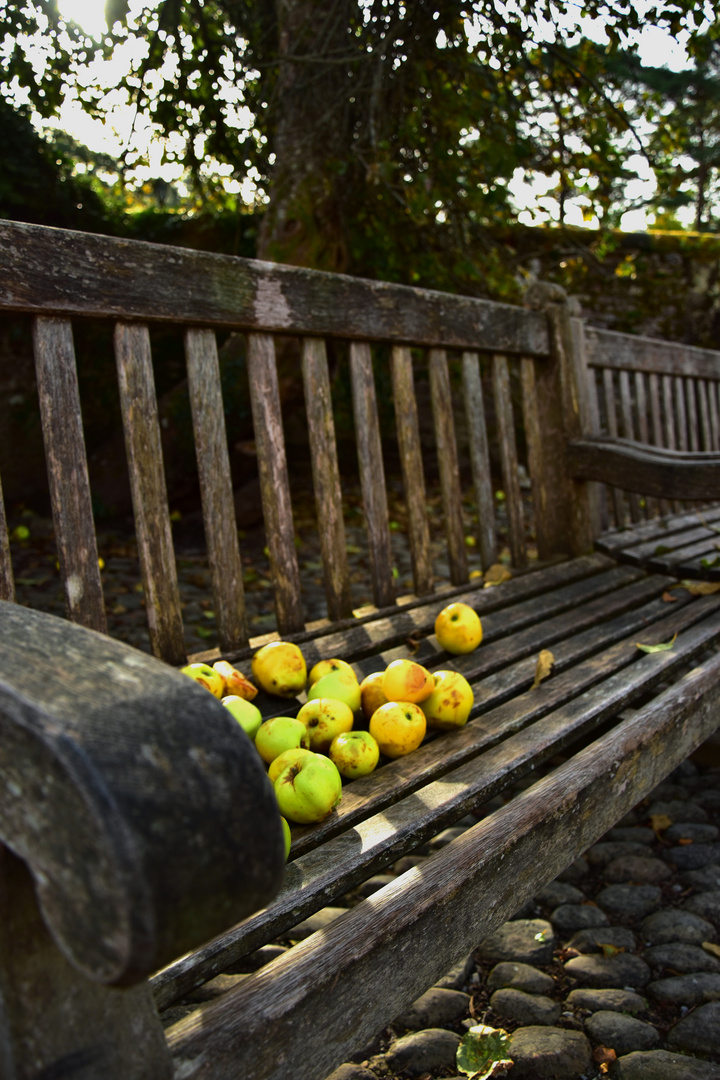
point(684, 841)
point(543, 668)
point(496, 574)
point(699, 588)
point(604, 1055)
point(660, 822)
point(709, 947)
point(669, 598)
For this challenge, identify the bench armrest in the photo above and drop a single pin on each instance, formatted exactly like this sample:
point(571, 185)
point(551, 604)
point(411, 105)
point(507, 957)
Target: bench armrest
point(138, 804)
point(645, 469)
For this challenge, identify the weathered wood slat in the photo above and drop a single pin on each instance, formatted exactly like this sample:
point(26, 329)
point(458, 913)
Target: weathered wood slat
point(274, 483)
point(640, 554)
point(608, 348)
point(70, 499)
point(612, 427)
point(652, 505)
point(408, 434)
point(55, 271)
point(670, 440)
point(647, 469)
point(372, 472)
point(698, 559)
point(216, 491)
point(147, 483)
point(657, 425)
point(480, 457)
point(692, 416)
point(7, 580)
point(681, 414)
point(442, 409)
point(628, 432)
point(464, 893)
point(326, 477)
point(706, 438)
point(712, 391)
point(509, 459)
point(624, 540)
point(536, 451)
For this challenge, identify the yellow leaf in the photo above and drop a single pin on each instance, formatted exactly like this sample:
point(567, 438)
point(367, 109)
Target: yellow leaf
point(699, 588)
point(714, 950)
point(660, 822)
point(543, 667)
point(496, 574)
point(610, 950)
point(664, 647)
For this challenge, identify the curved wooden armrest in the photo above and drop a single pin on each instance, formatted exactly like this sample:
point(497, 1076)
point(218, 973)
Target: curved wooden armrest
point(135, 799)
point(645, 469)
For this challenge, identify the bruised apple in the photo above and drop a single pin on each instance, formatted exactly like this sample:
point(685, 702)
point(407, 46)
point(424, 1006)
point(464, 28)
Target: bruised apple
point(371, 693)
point(279, 668)
point(356, 753)
point(398, 728)
point(404, 680)
point(288, 757)
point(206, 676)
point(325, 718)
point(236, 685)
point(308, 790)
point(450, 703)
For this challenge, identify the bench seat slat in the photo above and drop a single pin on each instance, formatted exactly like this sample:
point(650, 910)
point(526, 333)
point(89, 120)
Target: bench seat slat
point(372, 472)
point(408, 435)
point(147, 483)
point(509, 459)
point(216, 488)
point(274, 483)
point(442, 410)
point(66, 459)
point(326, 477)
point(479, 458)
point(438, 913)
point(660, 530)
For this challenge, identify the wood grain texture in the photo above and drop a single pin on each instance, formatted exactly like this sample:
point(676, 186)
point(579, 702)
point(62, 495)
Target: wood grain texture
point(434, 914)
point(660, 530)
point(274, 483)
point(618, 501)
point(408, 435)
point(670, 440)
point(683, 441)
point(54, 1021)
point(55, 271)
point(7, 580)
point(706, 439)
point(479, 452)
point(693, 420)
point(608, 348)
point(326, 477)
point(442, 410)
point(138, 404)
point(647, 470)
point(712, 392)
point(138, 804)
point(66, 459)
point(508, 459)
point(627, 428)
point(372, 472)
point(216, 491)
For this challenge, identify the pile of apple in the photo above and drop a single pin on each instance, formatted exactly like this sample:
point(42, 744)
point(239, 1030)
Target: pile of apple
point(309, 755)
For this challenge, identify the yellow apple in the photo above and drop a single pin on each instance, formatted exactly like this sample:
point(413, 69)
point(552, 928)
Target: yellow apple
point(236, 684)
point(278, 734)
point(404, 680)
point(458, 629)
point(247, 715)
point(308, 790)
point(207, 677)
point(450, 703)
point(288, 757)
point(324, 667)
point(286, 837)
point(340, 685)
point(398, 728)
point(356, 753)
point(325, 718)
point(280, 669)
point(371, 693)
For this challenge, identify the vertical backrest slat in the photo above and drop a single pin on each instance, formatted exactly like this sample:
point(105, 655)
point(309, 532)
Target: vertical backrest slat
point(656, 423)
point(479, 458)
point(274, 483)
point(326, 477)
point(408, 435)
point(706, 438)
point(682, 437)
point(442, 409)
point(641, 400)
point(612, 426)
point(138, 404)
point(670, 442)
point(508, 459)
point(216, 493)
point(536, 450)
point(627, 429)
point(67, 471)
point(712, 390)
point(372, 472)
point(692, 415)
point(7, 581)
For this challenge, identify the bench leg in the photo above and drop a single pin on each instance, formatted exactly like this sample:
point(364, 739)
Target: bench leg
point(53, 1021)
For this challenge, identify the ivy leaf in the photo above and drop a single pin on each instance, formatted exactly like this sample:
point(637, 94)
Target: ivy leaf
point(665, 646)
point(482, 1053)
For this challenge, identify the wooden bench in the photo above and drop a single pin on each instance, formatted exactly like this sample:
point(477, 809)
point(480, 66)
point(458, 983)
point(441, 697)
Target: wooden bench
point(139, 814)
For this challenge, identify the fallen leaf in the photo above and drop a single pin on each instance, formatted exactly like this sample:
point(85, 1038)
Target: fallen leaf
point(496, 574)
point(543, 668)
point(661, 549)
point(709, 947)
point(610, 950)
point(709, 564)
point(664, 647)
point(604, 1055)
point(699, 588)
point(482, 1052)
point(413, 644)
point(669, 598)
point(684, 841)
point(660, 822)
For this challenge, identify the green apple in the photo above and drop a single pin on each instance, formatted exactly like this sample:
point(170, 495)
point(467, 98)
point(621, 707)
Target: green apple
point(450, 702)
point(307, 791)
point(247, 715)
point(279, 668)
point(207, 677)
point(325, 718)
point(288, 757)
point(286, 836)
point(340, 685)
point(324, 667)
point(278, 734)
point(356, 753)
